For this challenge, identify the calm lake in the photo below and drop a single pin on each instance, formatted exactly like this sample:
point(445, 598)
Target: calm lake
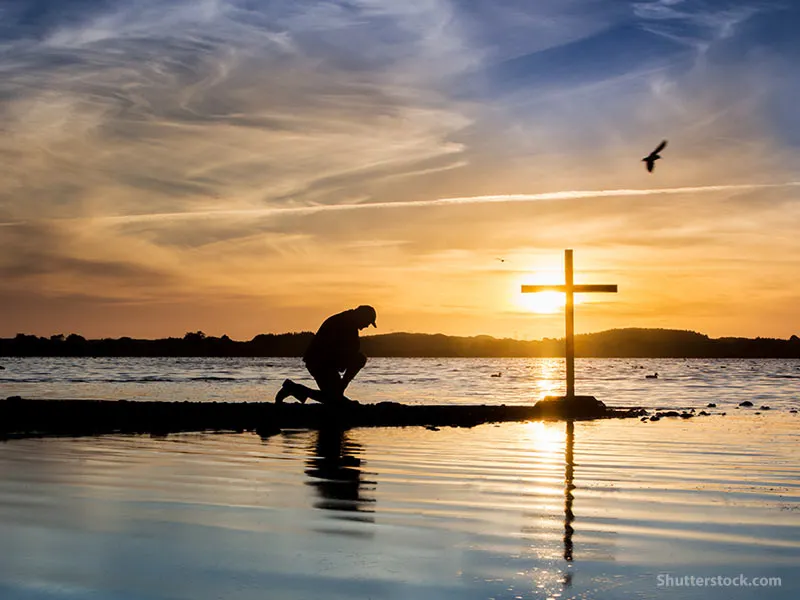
point(605, 509)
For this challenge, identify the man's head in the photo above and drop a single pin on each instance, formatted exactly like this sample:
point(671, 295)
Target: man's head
point(365, 316)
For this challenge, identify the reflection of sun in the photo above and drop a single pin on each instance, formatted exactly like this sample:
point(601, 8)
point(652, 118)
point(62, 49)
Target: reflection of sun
point(542, 302)
point(549, 376)
point(546, 438)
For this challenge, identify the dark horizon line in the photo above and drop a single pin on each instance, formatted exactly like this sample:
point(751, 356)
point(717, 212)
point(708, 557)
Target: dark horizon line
point(199, 334)
point(631, 342)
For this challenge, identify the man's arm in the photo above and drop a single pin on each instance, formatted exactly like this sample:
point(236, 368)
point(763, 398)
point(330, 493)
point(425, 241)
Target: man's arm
point(352, 369)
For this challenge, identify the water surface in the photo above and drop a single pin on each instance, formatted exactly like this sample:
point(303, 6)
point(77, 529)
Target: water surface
point(621, 382)
point(526, 510)
point(607, 509)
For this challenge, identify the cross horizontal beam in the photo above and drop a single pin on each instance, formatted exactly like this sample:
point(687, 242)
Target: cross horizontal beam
point(532, 289)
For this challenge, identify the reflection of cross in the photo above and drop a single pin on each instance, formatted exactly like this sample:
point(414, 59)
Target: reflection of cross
point(569, 288)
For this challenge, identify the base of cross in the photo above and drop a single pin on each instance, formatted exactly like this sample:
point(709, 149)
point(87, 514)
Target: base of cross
point(572, 407)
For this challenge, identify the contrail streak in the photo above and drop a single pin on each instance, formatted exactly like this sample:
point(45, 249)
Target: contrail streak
point(503, 198)
point(461, 200)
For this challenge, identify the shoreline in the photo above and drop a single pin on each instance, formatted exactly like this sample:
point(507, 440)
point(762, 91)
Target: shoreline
point(21, 418)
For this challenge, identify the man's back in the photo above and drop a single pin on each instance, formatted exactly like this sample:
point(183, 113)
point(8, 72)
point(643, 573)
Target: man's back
point(336, 341)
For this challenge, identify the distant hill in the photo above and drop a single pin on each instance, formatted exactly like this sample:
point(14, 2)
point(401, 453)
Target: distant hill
point(633, 343)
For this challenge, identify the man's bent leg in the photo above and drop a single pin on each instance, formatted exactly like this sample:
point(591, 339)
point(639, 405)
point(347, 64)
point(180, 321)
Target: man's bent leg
point(290, 388)
point(331, 388)
point(303, 392)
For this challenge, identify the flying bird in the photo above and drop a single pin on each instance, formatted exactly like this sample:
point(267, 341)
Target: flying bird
point(651, 158)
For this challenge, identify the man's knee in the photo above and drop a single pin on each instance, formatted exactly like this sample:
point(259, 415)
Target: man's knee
point(332, 398)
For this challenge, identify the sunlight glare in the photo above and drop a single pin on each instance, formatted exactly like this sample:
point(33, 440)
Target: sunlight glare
point(549, 377)
point(545, 438)
point(545, 303)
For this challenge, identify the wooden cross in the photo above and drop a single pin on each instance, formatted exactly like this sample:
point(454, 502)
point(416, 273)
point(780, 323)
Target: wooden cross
point(570, 289)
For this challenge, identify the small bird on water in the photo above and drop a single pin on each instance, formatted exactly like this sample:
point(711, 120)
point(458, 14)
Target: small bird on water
point(651, 158)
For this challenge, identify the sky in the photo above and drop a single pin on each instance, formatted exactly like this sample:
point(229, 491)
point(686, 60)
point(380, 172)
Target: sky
point(251, 166)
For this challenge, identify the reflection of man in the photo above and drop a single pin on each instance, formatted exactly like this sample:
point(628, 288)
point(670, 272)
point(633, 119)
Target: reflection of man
point(335, 473)
point(333, 358)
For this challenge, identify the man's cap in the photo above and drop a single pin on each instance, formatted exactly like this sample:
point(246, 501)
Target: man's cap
point(369, 313)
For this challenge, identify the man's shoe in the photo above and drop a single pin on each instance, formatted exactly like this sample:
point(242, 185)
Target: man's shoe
point(284, 392)
point(299, 392)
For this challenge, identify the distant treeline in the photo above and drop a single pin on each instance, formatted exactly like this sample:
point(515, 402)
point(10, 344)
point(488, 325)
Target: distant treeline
point(633, 343)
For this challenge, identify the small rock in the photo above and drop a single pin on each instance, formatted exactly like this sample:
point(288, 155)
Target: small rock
point(765, 407)
point(653, 376)
point(655, 418)
point(671, 413)
point(711, 405)
point(432, 428)
point(644, 419)
point(758, 412)
point(746, 403)
point(686, 415)
point(722, 414)
point(702, 413)
point(793, 411)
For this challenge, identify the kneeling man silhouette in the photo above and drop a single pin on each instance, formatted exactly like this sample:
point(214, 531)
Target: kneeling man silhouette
point(333, 358)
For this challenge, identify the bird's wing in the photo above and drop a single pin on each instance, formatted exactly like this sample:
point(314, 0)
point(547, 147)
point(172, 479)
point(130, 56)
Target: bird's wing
point(650, 165)
point(661, 146)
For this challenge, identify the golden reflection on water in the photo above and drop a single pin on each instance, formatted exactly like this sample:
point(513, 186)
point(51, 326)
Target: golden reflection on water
point(547, 373)
point(543, 438)
point(551, 440)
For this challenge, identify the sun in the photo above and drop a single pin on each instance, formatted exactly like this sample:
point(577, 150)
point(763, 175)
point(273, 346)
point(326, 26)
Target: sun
point(544, 303)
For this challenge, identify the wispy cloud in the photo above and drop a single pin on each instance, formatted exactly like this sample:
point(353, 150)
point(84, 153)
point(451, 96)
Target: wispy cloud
point(289, 155)
point(698, 25)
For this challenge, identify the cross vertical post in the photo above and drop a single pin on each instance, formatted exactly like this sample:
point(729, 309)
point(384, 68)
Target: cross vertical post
point(569, 289)
point(569, 316)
